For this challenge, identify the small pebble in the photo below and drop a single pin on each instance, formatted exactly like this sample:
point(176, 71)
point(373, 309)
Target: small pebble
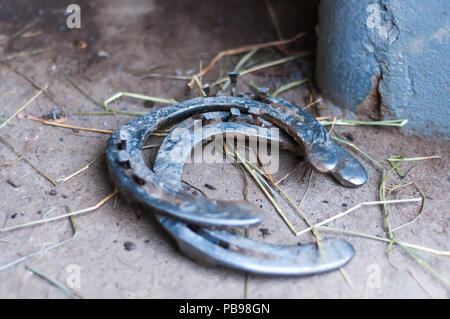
point(103, 54)
point(210, 187)
point(128, 245)
point(149, 104)
point(349, 136)
point(13, 183)
point(264, 232)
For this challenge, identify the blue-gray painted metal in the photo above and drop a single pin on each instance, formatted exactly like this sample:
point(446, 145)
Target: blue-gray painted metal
point(397, 49)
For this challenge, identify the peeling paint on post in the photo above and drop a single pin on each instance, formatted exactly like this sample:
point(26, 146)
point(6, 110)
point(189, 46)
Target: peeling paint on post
point(390, 55)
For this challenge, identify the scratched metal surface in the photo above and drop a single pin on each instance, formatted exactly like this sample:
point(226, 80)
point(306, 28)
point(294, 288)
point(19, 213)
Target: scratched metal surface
point(138, 183)
point(223, 248)
point(178, 145)
point(218, 247)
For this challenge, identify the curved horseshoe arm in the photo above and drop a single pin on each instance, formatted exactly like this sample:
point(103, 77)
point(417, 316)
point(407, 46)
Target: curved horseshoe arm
point(133, 178)
point(222, 248)
point(183, 138)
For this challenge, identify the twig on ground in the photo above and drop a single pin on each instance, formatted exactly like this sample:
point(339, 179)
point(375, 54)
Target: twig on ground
point(244, 176)
point(299, 164)
point(53, 281)
point(421, 285)
point(394, 123)
point(242, 50)
point(306, 107)
point(195, 187)
point(276, 24)
point(136, 96)
point(59, 124)
point(168, 77)
point(23, 107)
point(300, 212)
point(29, 80)
point(263, 188)
point(76, 87)
point(24, 54)
point(23, 258)
point(367, 156)
point(150, 146)
point(382, 191)
point(346, 277)
point(27, 147)
point(199, 85)
point(264, 66)
point(397, 158)
point(78, 212)
point(287, 86)
point(337, 216)
point(26, 159)
point(307, 188)
point(386, 240)
point(422, 207)
point(245, 196)
point(7, 93)
point(65, 179)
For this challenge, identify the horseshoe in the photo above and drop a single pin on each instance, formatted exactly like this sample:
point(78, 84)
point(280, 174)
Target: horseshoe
point(348, 172)
point(174, 149)
point(138, 183)
point(218, 247)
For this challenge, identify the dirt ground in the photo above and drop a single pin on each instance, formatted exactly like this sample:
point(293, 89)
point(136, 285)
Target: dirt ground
point(170, 38)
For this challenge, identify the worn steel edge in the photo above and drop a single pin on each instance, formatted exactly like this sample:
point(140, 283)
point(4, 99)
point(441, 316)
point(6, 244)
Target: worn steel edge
point(139, 184)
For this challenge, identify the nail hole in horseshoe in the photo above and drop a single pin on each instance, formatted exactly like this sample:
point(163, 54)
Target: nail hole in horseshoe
point(138, 180)
point(122, 145)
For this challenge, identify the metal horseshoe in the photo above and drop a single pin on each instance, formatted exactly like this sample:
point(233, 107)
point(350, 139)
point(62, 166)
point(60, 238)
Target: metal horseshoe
point(177, 146)
point(138, 183)
point(219, 247)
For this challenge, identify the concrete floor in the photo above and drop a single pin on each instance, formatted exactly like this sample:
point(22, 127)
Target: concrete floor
point(140, 37)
